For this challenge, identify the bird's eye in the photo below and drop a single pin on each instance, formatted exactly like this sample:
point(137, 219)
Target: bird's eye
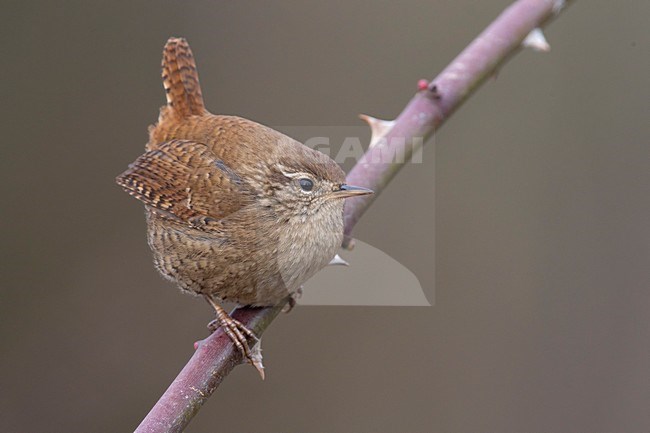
point(306, 184)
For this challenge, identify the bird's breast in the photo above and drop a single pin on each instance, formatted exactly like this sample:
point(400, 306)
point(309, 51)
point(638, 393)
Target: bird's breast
point(307, 245)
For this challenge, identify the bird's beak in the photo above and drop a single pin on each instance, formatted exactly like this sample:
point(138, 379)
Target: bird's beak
point(351, 191)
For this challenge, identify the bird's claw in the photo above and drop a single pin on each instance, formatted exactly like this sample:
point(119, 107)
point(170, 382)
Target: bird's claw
point(292, 301)
point(239, 335)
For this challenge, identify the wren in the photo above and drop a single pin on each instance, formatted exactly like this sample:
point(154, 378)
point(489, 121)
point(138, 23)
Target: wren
point(235, 211)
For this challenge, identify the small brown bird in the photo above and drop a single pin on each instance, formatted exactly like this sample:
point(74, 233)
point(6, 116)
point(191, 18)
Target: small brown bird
point(236, 211)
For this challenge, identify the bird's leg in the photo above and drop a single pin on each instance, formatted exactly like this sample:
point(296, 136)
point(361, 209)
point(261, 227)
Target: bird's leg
point(293, 300)
point(238, 334)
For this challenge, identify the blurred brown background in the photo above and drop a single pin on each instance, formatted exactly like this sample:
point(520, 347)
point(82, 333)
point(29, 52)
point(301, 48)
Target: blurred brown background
point(542, 235)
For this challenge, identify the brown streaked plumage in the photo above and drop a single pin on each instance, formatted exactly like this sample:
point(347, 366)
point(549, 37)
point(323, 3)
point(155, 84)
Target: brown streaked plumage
point(236, 211)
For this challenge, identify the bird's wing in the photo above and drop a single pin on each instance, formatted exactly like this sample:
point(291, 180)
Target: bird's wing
point(186, 181)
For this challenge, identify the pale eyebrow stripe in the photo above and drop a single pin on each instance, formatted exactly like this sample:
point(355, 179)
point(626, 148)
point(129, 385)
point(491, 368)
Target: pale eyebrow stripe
point(292, 175)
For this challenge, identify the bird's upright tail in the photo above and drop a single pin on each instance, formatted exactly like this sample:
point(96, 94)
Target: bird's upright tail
point(181, 79)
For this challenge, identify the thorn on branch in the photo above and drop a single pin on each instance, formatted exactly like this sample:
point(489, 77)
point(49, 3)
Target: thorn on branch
point(338, 260)
point(378, 128)
point(537, 41)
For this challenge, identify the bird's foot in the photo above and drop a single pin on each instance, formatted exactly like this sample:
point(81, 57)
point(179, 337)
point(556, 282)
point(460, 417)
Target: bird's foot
point(293, 300)
point(239, 334)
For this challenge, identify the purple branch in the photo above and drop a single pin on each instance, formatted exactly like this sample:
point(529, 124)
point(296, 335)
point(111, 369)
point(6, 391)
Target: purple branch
point(430, 108)
point(215, 356)
point(213, 359)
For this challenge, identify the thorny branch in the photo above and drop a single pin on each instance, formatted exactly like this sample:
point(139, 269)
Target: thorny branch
point(216, 356)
